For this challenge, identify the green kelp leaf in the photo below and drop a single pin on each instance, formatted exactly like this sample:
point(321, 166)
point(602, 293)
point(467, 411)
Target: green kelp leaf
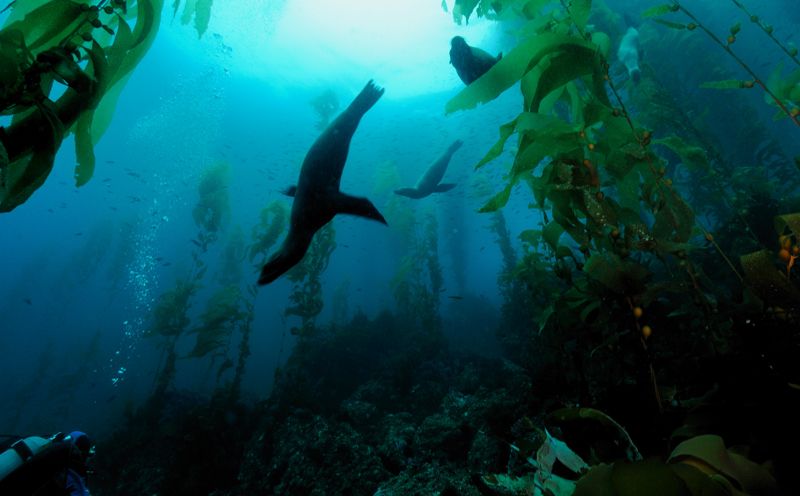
point(202, 16)
point(694, 157)
point(176, 5)
point(509, 70)
point(671, 25)
point(121, 59)
point(767, 282)
point(552, 233)
point(84, 143)
point(499, 200)
point(675, 220)
point(48, 25)
point(572, 62)
point(621, 277)
point(658, 10)
point(790, 222)
point(19, 179)
point(728, 84)
point(549, 130)
point(463, 9)
point(506, 130)
point(580, 10)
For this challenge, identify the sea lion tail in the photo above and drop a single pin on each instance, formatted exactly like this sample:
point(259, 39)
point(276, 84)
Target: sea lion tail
point(353, 205)
point(456, 145)
point(367, 98)
point(442, 187)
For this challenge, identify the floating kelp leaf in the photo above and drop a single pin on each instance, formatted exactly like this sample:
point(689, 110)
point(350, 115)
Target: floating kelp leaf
point(670, 24)
point(675, 220)
point(594, 419)
point(709, 451)
point(48, 25)
point(84, 144)
point(767, 282)
point(694, 157)
point(580, 10)
point(728, 84)
point(553, 450)
point(621, 277)
point(551, 233)
point(498, 201)
point(736, 28)
point(572, 62)
point(658, 10)
point(122, 57)
point(202, 16)
point(463, 9)
point(20, 178)
point(790, 222)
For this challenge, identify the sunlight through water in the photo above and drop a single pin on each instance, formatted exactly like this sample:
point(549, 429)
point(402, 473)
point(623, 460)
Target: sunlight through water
point(403, 45)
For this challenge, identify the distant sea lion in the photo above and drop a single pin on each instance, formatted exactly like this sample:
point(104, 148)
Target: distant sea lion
point(317, 198)
point(470, 62)
point(429, 183)
point(628, 53)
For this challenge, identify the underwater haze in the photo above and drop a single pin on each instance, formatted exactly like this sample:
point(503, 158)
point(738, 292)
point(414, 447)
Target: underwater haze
point(604, 273)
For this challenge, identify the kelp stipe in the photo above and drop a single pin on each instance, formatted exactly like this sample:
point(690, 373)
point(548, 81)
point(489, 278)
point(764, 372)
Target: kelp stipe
point(779, 93)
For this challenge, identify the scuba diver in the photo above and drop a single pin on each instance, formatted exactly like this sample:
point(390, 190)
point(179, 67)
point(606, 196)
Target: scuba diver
point(47, 466)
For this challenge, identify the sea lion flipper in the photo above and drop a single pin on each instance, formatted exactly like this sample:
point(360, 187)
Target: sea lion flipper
point(353, 205)
point(367, 97)
point(442, 187)
point(290, 191)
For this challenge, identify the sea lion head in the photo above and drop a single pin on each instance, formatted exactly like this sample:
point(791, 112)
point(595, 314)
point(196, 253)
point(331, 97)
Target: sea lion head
point(458, 43)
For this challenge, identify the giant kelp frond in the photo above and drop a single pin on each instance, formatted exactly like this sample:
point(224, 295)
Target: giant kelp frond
point(90, 50)
point(218, 321)
point(306, 297)
point(213, 205)
point(272, 223)
point(170, 316)
point(197, 10)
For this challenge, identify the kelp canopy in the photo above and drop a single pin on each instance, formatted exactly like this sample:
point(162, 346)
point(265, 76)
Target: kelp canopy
point(89, 47)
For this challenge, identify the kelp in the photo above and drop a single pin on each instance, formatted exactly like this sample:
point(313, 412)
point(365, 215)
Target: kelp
point(212, 210)
point(219, 320)
point(418, 281)
point(306, 296)
point(272, 222)
point(47, 41)
point(197, 10)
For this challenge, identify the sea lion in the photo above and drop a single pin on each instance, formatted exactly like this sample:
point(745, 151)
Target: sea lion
point(429, 183)
point(317, 198)
point(470, 62)
point(628, 51)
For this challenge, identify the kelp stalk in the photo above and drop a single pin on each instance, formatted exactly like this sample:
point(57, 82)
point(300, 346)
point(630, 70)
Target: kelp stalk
point(791, 52)
point(794, 116)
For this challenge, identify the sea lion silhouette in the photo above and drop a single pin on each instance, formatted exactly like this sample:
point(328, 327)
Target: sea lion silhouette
point(470, 62)
point(317, 198)
point(429, 183)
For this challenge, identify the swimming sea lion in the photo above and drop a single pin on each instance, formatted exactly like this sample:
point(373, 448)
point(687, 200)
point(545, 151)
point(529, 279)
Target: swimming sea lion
point(317, 198)
point(429, 183)
point(470, 62)
point(628, 53)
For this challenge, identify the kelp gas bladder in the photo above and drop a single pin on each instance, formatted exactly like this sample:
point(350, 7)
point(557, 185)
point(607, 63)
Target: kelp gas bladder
point(89, 47)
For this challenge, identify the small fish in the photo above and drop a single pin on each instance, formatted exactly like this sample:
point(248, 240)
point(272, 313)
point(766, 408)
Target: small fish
point(28, 301)
point(134, 174)
point(456, 297)
point(197, 243)
point(79, 233)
